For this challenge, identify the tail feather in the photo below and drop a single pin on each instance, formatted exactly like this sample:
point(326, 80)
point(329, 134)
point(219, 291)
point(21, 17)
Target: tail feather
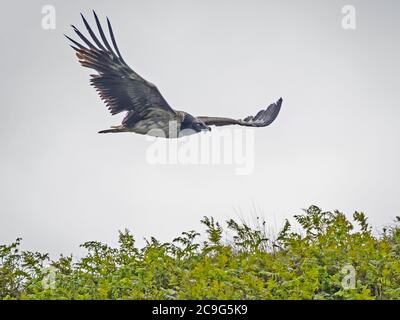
point(115, 130)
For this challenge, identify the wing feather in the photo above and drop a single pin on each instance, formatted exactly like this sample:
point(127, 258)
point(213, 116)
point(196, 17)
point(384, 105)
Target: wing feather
point(262, 119)
point(121, 88)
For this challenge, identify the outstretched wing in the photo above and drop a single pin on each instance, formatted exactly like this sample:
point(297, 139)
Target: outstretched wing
point(262, 119)
point(121, 88)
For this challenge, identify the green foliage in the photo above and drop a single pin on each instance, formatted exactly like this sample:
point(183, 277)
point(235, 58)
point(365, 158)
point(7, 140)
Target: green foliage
point(312, 263)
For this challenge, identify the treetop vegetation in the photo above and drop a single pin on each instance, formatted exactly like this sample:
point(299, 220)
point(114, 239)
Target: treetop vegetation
point(330, 257)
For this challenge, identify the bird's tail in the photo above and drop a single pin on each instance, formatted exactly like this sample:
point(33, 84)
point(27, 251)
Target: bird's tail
point(114, 130)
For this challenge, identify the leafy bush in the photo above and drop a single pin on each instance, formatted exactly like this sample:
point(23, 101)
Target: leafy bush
point(330, 258)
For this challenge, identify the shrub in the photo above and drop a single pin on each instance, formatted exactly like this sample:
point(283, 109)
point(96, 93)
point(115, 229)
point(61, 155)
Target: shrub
point(330, 258)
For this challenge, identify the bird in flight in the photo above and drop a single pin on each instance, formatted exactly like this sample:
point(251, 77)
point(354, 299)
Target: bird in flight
point(147, 112)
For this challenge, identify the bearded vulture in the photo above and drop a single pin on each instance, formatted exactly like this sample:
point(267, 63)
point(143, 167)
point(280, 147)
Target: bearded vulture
point(122, 89)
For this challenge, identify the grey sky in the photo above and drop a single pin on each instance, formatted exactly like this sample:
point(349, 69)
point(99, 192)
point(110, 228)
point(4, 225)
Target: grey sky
point(334, 144)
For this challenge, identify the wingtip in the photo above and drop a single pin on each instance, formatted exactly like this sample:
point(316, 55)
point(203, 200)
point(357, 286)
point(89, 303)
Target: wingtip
point(95, 14)
point(69, 38)
point(83, 18)
point(75, 48)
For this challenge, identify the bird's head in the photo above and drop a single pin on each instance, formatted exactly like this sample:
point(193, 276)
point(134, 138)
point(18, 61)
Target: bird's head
point(199, 125)
point(193, 124)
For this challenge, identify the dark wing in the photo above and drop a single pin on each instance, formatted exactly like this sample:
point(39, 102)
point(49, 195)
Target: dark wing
point(121, 88)
point(262, 119)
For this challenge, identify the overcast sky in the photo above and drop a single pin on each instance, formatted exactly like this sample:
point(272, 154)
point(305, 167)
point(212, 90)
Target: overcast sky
point(334, 144)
